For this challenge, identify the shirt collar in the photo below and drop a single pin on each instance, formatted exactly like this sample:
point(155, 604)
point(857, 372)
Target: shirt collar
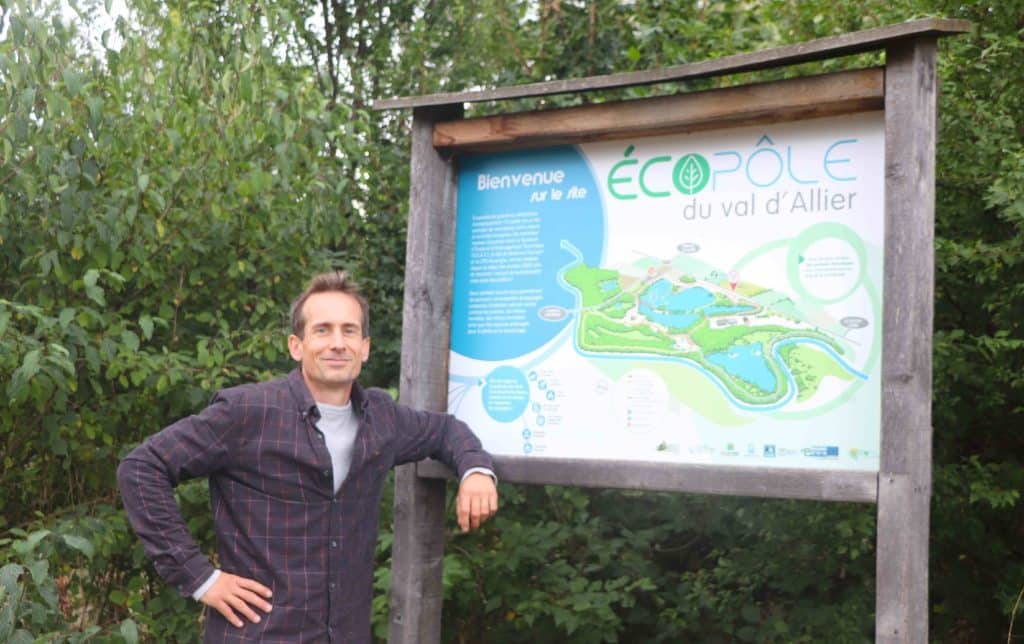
point(304, 399)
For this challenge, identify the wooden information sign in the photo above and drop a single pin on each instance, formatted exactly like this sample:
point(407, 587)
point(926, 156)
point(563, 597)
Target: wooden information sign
point(720, 292)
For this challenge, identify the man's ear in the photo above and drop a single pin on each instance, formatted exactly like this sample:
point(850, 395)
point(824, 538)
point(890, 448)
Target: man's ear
point(366, 348)
point(295, 347)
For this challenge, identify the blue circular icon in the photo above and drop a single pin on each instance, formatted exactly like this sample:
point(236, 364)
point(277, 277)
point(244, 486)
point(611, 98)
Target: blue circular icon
point(541, 420)
point(506, 394)
point(550, 395)
point(527, 448)
point(527, 434)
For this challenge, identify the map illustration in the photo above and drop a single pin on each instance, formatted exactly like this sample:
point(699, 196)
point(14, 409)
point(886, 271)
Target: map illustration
point(750, 339)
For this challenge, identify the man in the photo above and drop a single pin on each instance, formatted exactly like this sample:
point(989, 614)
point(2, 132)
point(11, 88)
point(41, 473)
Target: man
point(296, 467)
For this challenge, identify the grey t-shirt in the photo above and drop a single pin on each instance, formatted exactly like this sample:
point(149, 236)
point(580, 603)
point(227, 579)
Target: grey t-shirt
point(339, 426)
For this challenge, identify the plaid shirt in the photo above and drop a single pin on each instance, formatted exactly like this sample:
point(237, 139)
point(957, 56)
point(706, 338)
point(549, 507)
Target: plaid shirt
point(276, 517)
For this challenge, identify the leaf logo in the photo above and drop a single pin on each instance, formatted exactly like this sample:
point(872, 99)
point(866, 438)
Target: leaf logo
point(691, 174)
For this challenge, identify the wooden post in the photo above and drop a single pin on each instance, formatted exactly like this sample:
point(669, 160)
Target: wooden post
point(904, 478)
point(418, 549)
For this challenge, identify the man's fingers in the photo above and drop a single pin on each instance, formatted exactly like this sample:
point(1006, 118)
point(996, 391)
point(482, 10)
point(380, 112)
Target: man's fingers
point(232, 595)
point(254, 593)
point(475, 510)
point(252, 599)
point(462, 511)
point(225, 610)
point(487, 508)
point(240, 605)
point(254, 586)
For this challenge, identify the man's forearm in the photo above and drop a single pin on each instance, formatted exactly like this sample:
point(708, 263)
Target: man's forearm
point(148, 495)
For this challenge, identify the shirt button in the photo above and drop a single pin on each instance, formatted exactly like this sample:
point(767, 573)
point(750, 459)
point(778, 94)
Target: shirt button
point(334, 544)
point(333, 584)
point(326, 473)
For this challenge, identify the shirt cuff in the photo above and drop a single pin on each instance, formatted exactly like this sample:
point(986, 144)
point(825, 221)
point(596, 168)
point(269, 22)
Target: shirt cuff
point(479, 470)
point(206, 586)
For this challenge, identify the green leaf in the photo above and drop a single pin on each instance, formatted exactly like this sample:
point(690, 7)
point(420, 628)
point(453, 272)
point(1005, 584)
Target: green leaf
point(66, 315)
point(27, 99)
point(9, 576)
point(129, 631)
point(80, 544)
point(95, 294)
point(30, 364)
point(146, 324)
point(7, 607)
point(130, 340)
point(21, 636)
point(17, 388)
point(73, 81)
point(95, 105)
point(92, 290)
point(28, 545)
point(158, 200)
point(39, 570)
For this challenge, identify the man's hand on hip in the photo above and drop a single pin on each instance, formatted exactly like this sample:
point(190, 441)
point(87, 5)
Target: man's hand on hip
point(231, 593)
point(477, 501)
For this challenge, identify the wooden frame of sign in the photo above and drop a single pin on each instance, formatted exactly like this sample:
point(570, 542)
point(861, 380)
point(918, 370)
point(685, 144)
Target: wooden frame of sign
point(905, 88)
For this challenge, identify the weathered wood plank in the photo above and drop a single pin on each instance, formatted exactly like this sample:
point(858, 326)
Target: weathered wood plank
point(418, 549)
point(788, 100)
point(831, 47)
point(674, 477)
point(905, 470)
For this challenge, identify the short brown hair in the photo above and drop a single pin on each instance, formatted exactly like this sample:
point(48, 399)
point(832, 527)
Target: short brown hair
point(329, 282)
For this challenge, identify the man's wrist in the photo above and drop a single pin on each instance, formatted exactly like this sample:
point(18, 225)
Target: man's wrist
point(212, 579)
point(480, 470)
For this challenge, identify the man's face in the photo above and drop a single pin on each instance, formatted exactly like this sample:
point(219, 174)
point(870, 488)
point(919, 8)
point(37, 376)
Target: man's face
point(332, 349)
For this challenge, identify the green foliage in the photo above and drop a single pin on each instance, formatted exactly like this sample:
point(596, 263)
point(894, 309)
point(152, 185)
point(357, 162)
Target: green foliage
point(86, 578)
point(159, 206)
point(162, 199)
point(605, 566)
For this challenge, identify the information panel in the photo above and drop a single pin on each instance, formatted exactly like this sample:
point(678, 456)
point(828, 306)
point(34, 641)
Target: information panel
point(712, 297)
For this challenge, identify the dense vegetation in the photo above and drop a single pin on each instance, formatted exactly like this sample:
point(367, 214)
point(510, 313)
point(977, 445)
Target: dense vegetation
point(166, 186)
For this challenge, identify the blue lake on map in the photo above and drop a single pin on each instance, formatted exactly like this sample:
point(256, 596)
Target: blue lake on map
point(659, 304)
point(747, 363)
point(673, 309)
point(609, 285)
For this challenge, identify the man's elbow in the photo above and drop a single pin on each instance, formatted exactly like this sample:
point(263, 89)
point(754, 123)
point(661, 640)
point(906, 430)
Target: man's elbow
point(127, 474)
point(131, 473)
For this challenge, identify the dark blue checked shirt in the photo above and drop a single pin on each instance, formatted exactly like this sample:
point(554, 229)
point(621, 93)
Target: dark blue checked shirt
point(276, 517)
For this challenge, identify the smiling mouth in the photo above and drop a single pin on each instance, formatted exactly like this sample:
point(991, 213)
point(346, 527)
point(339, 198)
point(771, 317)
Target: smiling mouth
point(336, 361)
